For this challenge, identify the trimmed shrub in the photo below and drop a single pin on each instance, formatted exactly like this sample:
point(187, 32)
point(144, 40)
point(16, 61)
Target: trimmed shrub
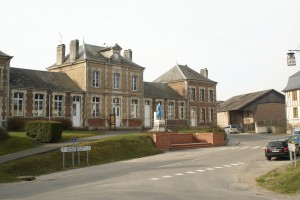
point(3, 134)
point(44, 131)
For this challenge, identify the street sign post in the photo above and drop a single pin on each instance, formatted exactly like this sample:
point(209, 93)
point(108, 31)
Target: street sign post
point(72, 149)
point(292, 149)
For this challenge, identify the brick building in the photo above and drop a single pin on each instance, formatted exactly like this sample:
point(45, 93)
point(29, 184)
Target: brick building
point(198, 90)
point(92, 83)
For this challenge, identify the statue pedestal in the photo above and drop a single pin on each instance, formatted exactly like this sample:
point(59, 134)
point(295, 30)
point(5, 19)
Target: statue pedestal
point(159, 126)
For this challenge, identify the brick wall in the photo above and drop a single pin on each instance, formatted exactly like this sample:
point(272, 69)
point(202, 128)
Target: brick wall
point(216, 139)
point(164, 140)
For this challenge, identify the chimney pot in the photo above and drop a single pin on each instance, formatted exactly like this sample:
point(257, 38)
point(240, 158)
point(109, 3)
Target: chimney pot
point(60, 54)
point(74, 50)
point(128, 54)
point(204, 72)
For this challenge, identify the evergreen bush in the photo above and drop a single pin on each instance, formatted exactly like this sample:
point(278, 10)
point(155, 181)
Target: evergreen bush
point(44, 131)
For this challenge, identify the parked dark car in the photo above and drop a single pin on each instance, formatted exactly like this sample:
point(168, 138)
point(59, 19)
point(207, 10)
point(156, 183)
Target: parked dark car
point(279, 148)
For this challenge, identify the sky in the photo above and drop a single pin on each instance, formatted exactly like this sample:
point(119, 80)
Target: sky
point(242, 43)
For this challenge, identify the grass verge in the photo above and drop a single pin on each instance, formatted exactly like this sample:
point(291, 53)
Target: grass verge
point(107, 150)
point(284, 180)
point(19, 141)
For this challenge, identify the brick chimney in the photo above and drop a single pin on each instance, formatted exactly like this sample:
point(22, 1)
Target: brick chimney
point(74, 50)
point(128, 54)
point(204, 72)
point(60, 54)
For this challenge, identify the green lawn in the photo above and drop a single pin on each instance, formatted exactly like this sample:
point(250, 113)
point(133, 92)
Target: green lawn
point(19, 141)
point(107, 150)
point(285, 180)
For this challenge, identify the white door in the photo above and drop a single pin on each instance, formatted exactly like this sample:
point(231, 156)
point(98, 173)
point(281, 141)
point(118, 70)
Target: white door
point(76, 112)
point(116, 110)
point(147, 114)
point(193, 117)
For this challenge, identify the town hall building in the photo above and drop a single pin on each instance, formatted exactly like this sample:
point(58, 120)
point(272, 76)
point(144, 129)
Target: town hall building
point(93, 83)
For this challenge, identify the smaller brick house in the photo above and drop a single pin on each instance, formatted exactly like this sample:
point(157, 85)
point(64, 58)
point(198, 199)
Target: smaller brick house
point(198, 89)
point(253, 110)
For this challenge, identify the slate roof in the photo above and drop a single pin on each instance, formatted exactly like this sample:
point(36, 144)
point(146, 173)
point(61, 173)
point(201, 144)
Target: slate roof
point(160, 90)
point(240, 101)
point(42, 80)
point(5, 55)
point(293, 82)
point(181, 72)
point(92, 54)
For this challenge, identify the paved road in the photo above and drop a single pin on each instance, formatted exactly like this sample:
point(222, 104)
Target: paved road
point(209, 173)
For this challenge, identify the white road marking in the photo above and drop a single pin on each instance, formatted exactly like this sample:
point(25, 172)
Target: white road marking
point(223, 148)
point(200, 170)
point(234, 148)
point(244, 147)
point(154, 179)
point(190, 172)
point(255, 147)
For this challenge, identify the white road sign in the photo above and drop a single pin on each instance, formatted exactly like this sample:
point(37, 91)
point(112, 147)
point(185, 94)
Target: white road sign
point(292, 147)
point(84, 148)
point(68, 149)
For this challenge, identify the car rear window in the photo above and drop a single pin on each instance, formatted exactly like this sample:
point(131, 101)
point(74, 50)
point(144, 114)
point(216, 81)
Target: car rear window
point(276, 144)
point(233, 126)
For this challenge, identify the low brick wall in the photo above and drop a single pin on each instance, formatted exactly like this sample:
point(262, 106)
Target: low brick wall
point(216, 139)
point(165, 140)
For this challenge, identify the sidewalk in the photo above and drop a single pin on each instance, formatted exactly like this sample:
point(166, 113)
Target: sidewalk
point(53, 146)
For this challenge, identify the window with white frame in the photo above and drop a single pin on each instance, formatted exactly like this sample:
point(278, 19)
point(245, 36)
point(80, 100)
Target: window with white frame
point(134, 108)
point(181, 110)
point(18, 104)
point(95, 106)
point(38, 105)
point(295, 112)
point(192, 94)
point(202, 115)
point(96, 78)
point(171, 110)
point(211, 114)
point(58, 106)
point(211, 96)
point(134, 83)
point(294, 94)
point(116, 81)
point(202, 95)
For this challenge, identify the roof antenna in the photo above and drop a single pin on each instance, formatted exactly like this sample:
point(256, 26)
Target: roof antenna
point(60, 38)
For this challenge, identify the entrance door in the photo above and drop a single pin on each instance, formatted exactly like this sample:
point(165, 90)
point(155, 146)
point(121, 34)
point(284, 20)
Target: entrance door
point(76, 111)
point(116, 110)
point(147, 114)
point(193, 117)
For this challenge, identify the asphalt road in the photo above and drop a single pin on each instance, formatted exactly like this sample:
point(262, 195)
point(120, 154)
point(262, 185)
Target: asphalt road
point(227, 172)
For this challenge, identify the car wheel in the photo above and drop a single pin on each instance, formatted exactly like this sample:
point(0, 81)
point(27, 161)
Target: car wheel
point(268, 158)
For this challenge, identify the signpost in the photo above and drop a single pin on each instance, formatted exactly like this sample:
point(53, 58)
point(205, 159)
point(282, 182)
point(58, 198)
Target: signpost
point(72, 149)
point(292, 148)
